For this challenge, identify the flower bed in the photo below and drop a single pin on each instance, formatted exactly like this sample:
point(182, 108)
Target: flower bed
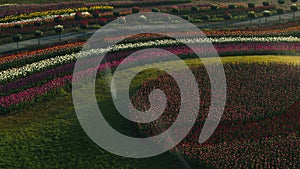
point(239, 46)
point(213, 33)
point(53, 12)
point(23, 58)
point(254, 91)
point(269, 152)
point(30, 8)
point(256, 130)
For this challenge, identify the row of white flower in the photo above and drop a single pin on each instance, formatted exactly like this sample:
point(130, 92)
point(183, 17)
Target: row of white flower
point(242, 39)
point(42, 18)
point(11, 74)
point(206, 40)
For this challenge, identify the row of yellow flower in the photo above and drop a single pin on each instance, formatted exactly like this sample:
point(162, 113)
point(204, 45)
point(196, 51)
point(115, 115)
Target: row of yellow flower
point(54, 12)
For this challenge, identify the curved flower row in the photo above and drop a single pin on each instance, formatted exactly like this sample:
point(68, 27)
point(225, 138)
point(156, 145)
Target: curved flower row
point(168, 42)
point(32, 20)
point(54, 12)
point(223, 49)
point(12, 74)
point(270, 152)
point(231, 48)
point(183, 52)
point(220, 33)
point(254, 91)
point(15, 9)
point(35, 79)
point(19, 59)
point(32, 93)
point(37, 91)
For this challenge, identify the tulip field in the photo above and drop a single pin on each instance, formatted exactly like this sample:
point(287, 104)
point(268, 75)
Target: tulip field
point(260, 124)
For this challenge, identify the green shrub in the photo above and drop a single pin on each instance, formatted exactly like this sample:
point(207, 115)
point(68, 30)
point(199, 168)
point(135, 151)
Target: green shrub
point(294, 7)
point(18, 26)
point(17, 37)
point(231, 6)
point(251, 5)
point(135, 9)
point(280, 11)
point(186, 17)
point(155, 10)
point(116, 13)
point(281, 2)
point(266, 13)
point(265, 3)
point(194, 8)
point(251, 14)
point(78, 16)
point(58, 19)
point(59, 28)
point(227, 16)
point(205, 17)
point(214, 7)
point(38, 33)
point(38, 23)
point(175, 9)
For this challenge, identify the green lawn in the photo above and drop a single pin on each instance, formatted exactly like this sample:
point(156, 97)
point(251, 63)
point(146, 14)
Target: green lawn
point(48, 134)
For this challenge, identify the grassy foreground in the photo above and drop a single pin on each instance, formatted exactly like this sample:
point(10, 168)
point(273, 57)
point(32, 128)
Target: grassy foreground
point(48, 134)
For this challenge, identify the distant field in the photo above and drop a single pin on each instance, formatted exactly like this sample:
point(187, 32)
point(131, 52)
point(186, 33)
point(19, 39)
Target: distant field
point(45, 1)
point(258, 2)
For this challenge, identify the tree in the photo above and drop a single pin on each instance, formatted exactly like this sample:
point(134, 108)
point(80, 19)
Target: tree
point(266, 14)
point(205, 17)
point(17, 38)
point(102, 21)
point(227, 16)
point(294, 1)
point(135, 9)
point(78, 16)
point(281, 2)
point(155, 10)
point(58, 19)
point(38, 23)
point(280, 12)
point(167, 19)
point(231, 6)
point(186, 17)
point(116, 14)
point(294, 8)
point(251, 5)
point(96, 14)
point(84, 26)
point(194, 9)
point(175, 9)
point(38, 34)
point(122, 21)
point(18, 26)
point(142, 20)
point(265, 3)
point(59, 29)
point(251, 15)
point(214, 7)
